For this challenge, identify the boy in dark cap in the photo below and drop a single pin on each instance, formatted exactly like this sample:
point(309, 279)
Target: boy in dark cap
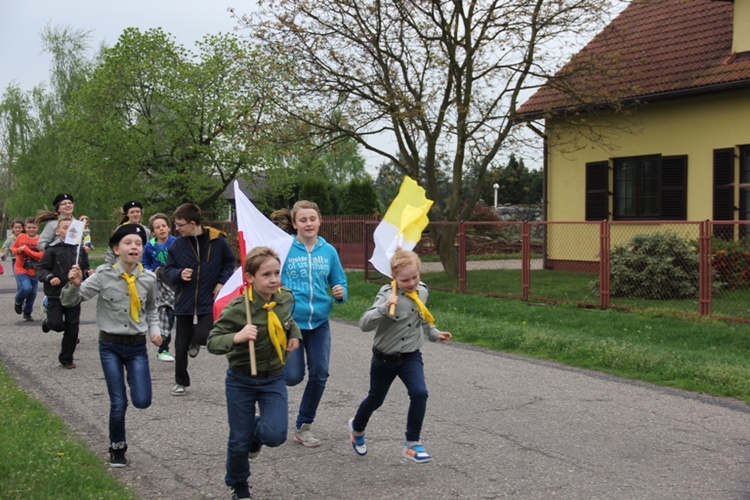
point(125, 314)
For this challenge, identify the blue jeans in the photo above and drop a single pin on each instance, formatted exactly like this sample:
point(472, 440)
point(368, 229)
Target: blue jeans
point(317, 344)
point(26, 295)
point(245, 428)
point(410, 369)
point(116, 358)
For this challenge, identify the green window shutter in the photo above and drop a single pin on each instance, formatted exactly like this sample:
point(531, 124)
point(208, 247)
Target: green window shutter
point(723, 203)
point(597, 191)
point(674, 188)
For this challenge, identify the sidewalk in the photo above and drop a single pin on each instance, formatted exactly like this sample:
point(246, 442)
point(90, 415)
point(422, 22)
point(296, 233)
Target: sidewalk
point(497, 426)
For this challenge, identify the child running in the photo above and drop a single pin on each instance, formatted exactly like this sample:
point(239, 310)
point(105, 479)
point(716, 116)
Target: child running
point(271, 324)
point(395, 352)
point(16, 229)
point(312, 268)
point(27, 255)
point(125, 314)
point(154, 259)
point(53, 270)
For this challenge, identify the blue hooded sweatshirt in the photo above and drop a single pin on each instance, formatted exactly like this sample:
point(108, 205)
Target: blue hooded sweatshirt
point(310, 276)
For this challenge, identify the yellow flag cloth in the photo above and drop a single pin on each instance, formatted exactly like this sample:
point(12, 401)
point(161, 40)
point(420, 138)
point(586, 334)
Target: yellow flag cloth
point(135, 300)
point(276, 331)
point(423, 311)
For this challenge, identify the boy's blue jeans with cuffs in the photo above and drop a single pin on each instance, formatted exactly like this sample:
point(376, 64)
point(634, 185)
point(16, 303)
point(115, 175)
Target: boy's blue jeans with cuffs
point(269, 428)
point(316, 347)
point(410, 369)
point(121, 362)
point(27, 287)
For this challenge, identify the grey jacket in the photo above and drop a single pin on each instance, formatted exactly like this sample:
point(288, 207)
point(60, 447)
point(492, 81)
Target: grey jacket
point(113, 300)
point(406, 330)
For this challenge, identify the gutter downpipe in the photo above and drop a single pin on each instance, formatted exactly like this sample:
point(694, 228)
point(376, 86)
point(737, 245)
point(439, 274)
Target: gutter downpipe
point(545, 168)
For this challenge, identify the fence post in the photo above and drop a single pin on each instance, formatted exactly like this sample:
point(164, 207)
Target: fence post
point(705, 283)
point(525, 260)
point(462, 257)
point(366, 250)
point(604, 264)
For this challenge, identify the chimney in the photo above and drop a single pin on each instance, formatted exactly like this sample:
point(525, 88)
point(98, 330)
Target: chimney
point(741, 38)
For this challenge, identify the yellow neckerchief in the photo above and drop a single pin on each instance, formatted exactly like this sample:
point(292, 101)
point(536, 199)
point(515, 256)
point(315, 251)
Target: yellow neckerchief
point(276, 332)
point(423, 311)
point(135, 300)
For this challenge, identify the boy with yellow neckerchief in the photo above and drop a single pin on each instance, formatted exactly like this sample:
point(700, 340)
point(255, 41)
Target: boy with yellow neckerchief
point(125, 314)
point(270, 326)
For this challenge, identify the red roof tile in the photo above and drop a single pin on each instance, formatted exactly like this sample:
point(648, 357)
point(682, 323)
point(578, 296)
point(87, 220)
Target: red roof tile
point(652, 49)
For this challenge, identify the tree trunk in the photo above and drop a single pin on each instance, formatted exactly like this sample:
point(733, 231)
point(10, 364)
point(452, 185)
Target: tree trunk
point(445, 239)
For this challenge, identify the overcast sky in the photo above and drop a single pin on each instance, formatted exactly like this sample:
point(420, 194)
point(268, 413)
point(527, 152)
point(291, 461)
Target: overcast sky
point(21, 21)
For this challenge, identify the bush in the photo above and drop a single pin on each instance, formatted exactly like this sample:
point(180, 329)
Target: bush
point(731, 263)
point(657, 266)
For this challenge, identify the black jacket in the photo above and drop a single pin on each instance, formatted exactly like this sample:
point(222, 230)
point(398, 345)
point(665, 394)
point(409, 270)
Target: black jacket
point(212, 262)
point(57, 260)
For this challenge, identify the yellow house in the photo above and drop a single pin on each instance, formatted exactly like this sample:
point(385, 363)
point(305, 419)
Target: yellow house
point(649, 122)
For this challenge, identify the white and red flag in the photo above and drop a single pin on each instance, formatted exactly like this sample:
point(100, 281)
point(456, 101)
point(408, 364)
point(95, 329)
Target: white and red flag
point(254, 229)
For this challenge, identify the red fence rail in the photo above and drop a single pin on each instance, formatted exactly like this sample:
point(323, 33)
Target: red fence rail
point(556, 261)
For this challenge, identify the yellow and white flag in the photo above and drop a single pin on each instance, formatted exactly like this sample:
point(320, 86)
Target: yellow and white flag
point(402, 225)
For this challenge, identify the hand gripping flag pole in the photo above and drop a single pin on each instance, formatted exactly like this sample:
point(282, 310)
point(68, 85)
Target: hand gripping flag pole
point(254, 229)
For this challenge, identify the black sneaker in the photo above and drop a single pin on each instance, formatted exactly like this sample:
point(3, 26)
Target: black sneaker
point(117, 455)
point(45, 326)
point(194, 350)
point(241, 491)
point(18, 307)
point(27, 317)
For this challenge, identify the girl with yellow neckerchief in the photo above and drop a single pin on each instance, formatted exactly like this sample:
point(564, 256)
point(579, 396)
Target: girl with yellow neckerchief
point(275, 334)
point(395, 352)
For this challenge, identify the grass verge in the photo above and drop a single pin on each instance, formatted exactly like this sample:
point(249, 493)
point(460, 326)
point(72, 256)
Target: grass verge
point(695, 354)
point(41, 458)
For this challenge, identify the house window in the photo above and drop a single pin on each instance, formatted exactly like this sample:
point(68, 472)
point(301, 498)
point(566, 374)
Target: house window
point(650, 188)
point(644, 188)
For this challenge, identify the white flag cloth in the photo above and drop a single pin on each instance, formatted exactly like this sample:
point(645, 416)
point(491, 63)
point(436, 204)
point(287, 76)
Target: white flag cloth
point(255, 229)
point(75, 232)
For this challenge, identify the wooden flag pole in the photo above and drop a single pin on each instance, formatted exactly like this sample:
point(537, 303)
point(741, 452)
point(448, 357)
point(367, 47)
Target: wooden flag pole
point(251, 343)
point(392, 309)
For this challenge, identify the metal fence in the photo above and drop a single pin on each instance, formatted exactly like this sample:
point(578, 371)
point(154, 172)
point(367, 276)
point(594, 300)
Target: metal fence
point(696, 268)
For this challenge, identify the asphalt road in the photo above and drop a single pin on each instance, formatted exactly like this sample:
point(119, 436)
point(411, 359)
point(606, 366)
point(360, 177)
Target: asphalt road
point(498, 426)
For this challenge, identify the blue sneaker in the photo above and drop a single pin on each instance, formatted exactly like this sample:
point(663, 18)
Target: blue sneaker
point(413, 450)
point(358, 441)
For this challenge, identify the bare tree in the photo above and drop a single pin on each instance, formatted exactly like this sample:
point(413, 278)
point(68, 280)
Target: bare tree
point(443, 79)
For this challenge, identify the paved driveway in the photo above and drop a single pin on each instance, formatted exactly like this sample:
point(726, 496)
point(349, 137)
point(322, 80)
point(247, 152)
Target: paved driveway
point(498, 426)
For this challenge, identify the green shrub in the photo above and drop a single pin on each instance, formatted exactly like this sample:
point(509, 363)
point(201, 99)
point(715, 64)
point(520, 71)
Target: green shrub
point(731, 263)
point(656, 266)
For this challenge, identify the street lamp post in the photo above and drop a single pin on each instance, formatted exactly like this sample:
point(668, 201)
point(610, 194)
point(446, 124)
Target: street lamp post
point(496, 186)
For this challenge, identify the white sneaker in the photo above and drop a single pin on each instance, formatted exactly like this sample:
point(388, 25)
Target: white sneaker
point(165, 356)
point(305, 436)
point(178, 390)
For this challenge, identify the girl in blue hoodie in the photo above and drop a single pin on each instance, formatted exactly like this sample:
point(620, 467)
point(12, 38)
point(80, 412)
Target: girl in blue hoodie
point(312, 267)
